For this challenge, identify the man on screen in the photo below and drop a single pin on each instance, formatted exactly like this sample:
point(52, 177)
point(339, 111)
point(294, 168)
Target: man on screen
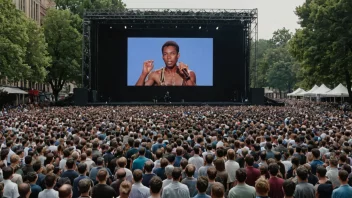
point(170, 75)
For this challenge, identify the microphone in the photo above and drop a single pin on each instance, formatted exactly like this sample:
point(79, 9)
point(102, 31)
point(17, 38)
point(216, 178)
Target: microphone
point(185, 72)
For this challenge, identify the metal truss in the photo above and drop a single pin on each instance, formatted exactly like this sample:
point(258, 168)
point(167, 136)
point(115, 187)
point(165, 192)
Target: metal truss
point(171, 18)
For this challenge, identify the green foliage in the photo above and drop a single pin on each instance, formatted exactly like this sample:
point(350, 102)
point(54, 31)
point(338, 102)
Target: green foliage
point(13, 42)
point(23, 51)
point(276, 66)
point(78, 6)
point(64, 46)
point(324, 44)
point(37, 56)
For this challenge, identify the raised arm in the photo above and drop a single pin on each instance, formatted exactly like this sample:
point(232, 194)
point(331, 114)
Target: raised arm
point(147, 68)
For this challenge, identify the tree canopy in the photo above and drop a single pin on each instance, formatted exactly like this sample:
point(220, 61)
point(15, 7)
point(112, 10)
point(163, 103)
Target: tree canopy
point(324, 43)
point(64, 46)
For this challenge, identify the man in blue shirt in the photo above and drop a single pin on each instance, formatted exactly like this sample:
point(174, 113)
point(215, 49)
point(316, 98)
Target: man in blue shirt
point(344, 191)
point(202, 186)
point(82, 169)
point(140, 161)
point(35, 189)
point(316, 162)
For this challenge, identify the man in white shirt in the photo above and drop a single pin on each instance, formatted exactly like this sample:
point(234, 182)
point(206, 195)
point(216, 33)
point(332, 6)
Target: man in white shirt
point(168, 173)
point(231, 166)
point(49, 192)
point(196, 160)
point(10, 188)
point(176, 189)
point(138, 190)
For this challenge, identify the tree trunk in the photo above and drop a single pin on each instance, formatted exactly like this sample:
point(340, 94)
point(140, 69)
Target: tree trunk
point(56, 94)
point(280, 93)
point(348, 83)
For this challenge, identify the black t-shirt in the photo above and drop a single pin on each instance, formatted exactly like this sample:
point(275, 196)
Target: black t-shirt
point(103, 190)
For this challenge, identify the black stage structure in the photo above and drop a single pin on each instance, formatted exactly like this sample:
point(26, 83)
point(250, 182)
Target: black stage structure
point(168, 20)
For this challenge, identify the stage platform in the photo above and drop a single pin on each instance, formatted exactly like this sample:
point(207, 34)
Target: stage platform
point(172, 104)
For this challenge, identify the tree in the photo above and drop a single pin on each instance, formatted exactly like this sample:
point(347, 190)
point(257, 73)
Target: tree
point(37, 56)
point(64, 46)
point(78, 6)
point(324, 43)
point(276, 66)
point(13, 42)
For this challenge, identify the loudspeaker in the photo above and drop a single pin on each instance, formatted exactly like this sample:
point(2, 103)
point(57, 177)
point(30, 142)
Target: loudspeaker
point(80, 96)
point(93, 96)
point(257, 96)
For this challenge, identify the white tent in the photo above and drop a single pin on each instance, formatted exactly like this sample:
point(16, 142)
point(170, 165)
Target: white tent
point(300, 93)
point(319, 91)
point(296, 91)
point(339, 91)
point(314, 88)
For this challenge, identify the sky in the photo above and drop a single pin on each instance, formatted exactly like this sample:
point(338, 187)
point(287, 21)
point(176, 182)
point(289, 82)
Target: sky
point(273, 14)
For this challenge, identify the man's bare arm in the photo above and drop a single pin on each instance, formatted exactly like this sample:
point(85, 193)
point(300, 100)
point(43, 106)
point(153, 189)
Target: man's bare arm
point(141, 80)
point(192, 81)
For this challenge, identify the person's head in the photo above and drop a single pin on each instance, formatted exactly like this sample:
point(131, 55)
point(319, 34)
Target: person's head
point(122, 162)
point(50, 180)
point(84, 185)
point(273, 169)
point(241, 175)
point(170, 51)
point(217, 190)
point(32, 177)
point(316, 153)
point(148, 166)
point(202, 184)
point(70, 164)
point(190, 169)
point(211, 172)
point(82, 167)
point(302, 173)
point(102, 175)
point(289, 187)
point(249, 160)
point(125, 188)
point(65, 191)
point(155, 185)
point(231, 154)
point(24, 190)
point(168, 170)
point(141, 151)
point(7, 172)
point(120, 173)
point(137, 175)
point(343, 176)
point(176, 174)
point(321, 171)
point(262, 187)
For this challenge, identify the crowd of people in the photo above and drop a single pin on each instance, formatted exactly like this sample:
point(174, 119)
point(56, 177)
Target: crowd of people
point(301, 150)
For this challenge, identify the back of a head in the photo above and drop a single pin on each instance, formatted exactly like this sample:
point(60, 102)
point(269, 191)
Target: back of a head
point(262, 186)
point(148, 166)
point(82, 167)
point(70, 163)
point(102, 175)
point(24, 189)
point(211, 172)
point(100, 161)
point(289, 187)
point(249, 160)
point(190, 169)
point(168, 170)
point(7, 172)
point(217, 190)
point(202, 184)
point(137, 175)
point(241, 175)
point(176, 173)
point(302, 173)
point(84, 185)
point(50, 180)
point(273, 169)
point(65, 191)
point(125, 188)
point(343, 175)
point(155, 184)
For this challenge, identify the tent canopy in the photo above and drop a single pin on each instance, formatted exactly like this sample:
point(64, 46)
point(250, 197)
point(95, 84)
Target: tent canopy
point(300, 93)
point(319, 91)
point(296, 91)
point(13, 90)
point(339, 91)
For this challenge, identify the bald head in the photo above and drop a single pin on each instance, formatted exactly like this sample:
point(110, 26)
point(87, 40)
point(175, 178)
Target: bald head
point(231, 154)
point(24, 190)
point(65, 191)
point(120, 173)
